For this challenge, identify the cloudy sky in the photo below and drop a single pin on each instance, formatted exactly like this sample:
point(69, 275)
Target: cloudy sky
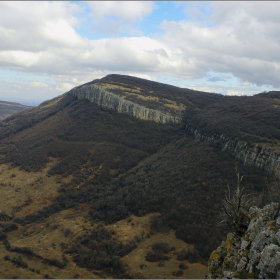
point(47, 48)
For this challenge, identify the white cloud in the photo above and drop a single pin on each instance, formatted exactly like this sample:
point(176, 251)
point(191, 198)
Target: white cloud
point(264, 11)
point(60, 31)
point(142, 76)
point(230, 89)
point(38, 84)
point(19, 58)
point(241, 38)
point(27, 25)
point(114, 17)
point(64, 87)
point(127, 10)
point(233, 92)
point(246, 84)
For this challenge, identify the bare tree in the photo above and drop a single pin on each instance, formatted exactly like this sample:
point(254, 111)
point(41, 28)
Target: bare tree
point(236, 206)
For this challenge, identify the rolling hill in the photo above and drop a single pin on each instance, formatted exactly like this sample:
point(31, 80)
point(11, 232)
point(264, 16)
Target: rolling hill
point(9, 108)
point(124, 177)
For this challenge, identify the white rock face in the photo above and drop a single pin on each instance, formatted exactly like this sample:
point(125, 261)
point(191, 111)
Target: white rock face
point(257, 155)
point(256, 254)
point(269, 264)
point(112, 101)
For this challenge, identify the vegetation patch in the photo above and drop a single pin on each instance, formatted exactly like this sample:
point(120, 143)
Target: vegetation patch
point(139, 267)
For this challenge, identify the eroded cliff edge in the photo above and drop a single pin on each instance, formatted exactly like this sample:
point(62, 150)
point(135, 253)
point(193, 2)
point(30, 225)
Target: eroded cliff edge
point(250, 154)
point(256, 254)
point(112, 101)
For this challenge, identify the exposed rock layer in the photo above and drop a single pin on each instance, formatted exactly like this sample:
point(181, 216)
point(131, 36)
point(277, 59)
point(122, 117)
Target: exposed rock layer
point(112, 101)
point(254, 255)
point(256, 155)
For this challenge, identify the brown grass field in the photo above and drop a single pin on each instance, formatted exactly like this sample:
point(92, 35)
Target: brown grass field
point(45, 237)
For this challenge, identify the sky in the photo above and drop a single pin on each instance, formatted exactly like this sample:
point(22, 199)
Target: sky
point(227, 47)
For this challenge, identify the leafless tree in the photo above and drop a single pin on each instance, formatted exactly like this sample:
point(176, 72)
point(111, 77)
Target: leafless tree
point(236, 206)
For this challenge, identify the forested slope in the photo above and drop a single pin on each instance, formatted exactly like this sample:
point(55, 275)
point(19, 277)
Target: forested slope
point(107, 166)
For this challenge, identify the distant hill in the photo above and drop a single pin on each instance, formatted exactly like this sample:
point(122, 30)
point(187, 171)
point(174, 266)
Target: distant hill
point(93, 180)
point(9, 108)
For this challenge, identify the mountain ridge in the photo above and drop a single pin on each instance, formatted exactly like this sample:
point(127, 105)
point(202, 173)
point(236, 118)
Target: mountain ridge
point(109, 100)
point(267, 158)
point(70, 158)
point(9, 108)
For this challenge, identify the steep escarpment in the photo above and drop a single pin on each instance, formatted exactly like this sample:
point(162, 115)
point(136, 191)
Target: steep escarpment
point(244, 126)
point(70, 167)
point(110, 100)
point(250, 154)
point(256, 254)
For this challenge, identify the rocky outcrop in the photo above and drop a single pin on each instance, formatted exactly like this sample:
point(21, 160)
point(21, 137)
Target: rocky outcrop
point(256, 155)
point(112, 101)
point(256, 254)
point(252, 154)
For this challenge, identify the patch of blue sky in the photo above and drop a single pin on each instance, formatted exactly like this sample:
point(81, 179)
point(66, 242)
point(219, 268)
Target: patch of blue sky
point(222, 78)
point(164, 10)
point(84, 28)
point(147, 26)
point(165, 79)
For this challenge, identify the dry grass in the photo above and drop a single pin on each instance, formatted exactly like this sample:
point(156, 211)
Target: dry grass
point(124, 88)
point(152, 269)
point(127, 229)
point(171, 104)
point(37, 269)
point(17, 186)
point(45, 240)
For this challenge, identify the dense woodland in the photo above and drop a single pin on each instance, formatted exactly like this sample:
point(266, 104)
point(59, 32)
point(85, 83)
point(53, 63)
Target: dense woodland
point(126, 166)
point(246, 118)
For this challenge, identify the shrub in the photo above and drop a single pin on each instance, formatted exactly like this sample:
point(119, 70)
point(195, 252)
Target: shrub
point(161, 246)
point(10, 227)
point(6, 257)
point(154, 256)
point(183, 266)
point(3, 236)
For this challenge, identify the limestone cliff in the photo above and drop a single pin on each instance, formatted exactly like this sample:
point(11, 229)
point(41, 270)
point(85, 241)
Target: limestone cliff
point(256, 254)
point(106, 99)
point(252, 154)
